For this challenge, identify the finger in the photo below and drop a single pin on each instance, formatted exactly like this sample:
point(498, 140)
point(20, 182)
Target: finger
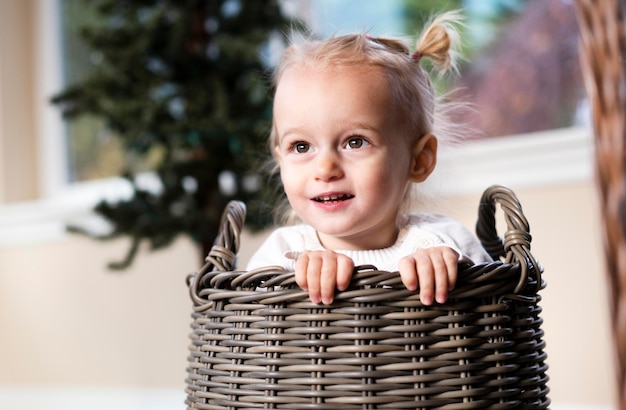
point(452, 263)
point(408, 272)
point(345, 266)
point(301, 271)
point(328, 278)
point(426, 278)
point(440, 270)
point(313, 277)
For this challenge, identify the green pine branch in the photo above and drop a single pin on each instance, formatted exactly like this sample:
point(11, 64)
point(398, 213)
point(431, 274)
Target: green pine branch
point(188, 80)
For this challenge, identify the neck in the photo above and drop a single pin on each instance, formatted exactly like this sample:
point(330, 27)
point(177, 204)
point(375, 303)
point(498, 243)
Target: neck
point(369, 240)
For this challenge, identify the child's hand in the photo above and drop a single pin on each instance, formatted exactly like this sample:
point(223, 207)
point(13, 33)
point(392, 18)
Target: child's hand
point(320, 272)
point(433, 270)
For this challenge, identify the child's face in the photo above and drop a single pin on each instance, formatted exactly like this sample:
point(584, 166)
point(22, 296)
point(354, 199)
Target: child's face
point(345, 159)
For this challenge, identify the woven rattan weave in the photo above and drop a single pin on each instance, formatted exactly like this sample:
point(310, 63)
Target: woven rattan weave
point(259, 343)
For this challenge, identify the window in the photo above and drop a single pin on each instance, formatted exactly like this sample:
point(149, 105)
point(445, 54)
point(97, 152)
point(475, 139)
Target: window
point(328, 17)
point(521, 73)
point(92, 152)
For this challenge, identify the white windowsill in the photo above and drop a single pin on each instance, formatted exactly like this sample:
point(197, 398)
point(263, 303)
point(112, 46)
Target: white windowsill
point(539, 159)
point(46, 219)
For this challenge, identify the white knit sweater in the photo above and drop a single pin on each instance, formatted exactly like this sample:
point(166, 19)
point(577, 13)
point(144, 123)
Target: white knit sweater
point(418, 231)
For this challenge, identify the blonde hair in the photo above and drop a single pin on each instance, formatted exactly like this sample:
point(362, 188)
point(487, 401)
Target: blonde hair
point(412, 91)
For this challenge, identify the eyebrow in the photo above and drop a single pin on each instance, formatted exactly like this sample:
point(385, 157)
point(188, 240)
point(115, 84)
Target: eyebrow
point(288, 131)
point(345, 126)
point(360, 125)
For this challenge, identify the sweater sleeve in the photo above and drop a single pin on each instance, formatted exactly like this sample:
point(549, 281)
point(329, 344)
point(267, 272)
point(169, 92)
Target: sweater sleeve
point(453, 234)
point(283, 246)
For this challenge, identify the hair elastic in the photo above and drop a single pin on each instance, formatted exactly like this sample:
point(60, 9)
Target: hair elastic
point(417, 56)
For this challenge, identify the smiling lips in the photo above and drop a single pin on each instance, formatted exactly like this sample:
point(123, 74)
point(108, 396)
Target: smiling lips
point(333, 198)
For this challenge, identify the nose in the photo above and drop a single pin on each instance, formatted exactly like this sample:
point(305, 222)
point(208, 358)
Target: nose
point(328, 166)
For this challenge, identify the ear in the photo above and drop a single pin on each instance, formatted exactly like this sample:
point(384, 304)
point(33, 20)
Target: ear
point(274, 143)
point(277, 155)
point(424, 158)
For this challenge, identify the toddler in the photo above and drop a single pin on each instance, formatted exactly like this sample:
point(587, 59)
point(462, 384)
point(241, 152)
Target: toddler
point(354, 128)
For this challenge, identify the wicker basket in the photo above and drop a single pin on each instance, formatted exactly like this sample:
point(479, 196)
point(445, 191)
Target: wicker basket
point(259, 343)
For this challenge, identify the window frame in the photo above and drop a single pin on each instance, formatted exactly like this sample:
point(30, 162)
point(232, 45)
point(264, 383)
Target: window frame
point(54, 176)
point(61, 202)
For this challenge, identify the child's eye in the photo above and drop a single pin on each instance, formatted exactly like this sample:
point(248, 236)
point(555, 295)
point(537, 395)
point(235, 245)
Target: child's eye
point(300, 147)
point(356, 143)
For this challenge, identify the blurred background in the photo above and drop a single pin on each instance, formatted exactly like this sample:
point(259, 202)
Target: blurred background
point(125, 126)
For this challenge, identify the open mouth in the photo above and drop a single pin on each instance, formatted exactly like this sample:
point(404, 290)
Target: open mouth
point(333, 198)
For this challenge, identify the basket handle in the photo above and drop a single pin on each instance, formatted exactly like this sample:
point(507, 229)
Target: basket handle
point(223, 253)
point(515, 247)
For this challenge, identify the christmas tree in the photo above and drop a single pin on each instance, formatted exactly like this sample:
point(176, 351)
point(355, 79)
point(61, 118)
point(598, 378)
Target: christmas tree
point(189, 80)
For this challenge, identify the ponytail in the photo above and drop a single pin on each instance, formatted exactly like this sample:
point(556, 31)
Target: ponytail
point(440, 40)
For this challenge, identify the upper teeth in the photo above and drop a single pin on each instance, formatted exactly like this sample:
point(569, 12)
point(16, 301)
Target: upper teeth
point(332, 197)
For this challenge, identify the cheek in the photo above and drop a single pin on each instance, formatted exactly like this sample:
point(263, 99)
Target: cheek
point(393, 177)
point(289, 179)
point(395, 167)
